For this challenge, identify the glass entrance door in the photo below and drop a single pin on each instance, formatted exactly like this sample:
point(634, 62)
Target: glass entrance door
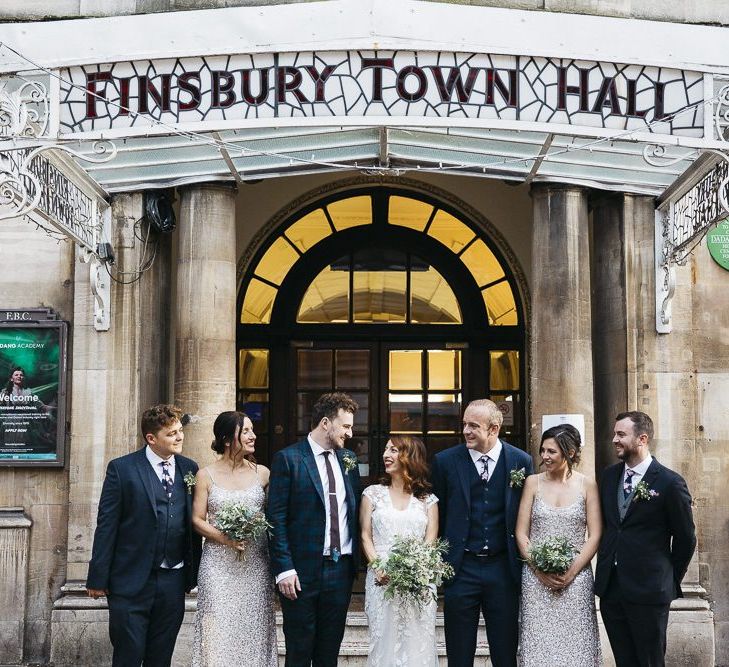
point(401, 389)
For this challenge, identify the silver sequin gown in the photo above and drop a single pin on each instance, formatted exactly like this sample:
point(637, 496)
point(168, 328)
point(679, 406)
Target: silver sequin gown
point(234, 624)
point(559, 629)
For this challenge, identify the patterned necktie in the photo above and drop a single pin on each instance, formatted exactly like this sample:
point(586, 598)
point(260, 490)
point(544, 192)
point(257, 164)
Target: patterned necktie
point(628, 483)
point(484, 461)
point(335, 548)
point(166, 478)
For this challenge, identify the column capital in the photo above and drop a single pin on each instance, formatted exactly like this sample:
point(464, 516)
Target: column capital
point(541, 189)
point(224, 186)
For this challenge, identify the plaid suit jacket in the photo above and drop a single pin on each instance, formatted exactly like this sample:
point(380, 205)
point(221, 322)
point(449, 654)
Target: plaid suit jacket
point(297, 513)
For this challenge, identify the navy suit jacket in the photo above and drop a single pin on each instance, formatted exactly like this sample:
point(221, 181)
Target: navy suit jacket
point(297, 513)
point(655, 541)
point(451, 473)
point(126, 528)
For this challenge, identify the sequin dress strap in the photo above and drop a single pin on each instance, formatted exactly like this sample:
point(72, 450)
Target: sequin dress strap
point(210, 475)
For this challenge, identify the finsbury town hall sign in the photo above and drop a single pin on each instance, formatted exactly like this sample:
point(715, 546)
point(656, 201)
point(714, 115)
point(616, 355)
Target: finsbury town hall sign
point(380, 87)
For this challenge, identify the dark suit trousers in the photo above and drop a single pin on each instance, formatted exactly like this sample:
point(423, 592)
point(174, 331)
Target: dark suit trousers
point(482, 585)
point(143, 628)
point(637, 632)
point(314, 623)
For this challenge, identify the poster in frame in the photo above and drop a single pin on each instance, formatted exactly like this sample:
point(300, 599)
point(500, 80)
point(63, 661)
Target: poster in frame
point(33, 369)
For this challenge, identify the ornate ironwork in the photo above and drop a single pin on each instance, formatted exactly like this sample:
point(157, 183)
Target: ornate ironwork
point(721, 114)
point(23, 108)
point(655, 155)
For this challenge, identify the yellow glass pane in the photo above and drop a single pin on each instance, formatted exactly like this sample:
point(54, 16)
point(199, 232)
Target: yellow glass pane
point(406, 413)
point(351, 212)
point(379, 296)
point(407, 212)
point(253, 369)
point(327, 299)
point(504, 370)
point(500, 304)
point(432, 300)
point(444, 369)
point(277, 261)
point(309, 230)
point(450, 231)
point(406, 369)
point(482, 263)
point(444, 413)
point(258, 303)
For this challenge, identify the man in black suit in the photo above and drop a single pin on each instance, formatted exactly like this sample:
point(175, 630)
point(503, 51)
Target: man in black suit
point(647, 542)
point(479, 486)
point(313, 499)
point(145, 554)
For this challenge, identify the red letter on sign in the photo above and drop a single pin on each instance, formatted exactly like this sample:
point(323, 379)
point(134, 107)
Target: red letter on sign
point(377, 64)
point(92, 94)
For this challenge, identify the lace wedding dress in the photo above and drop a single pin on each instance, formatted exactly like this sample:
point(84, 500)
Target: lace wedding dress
point(400, 635)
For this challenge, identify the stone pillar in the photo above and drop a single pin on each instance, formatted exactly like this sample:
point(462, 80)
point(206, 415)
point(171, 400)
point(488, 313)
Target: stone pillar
point(14, 547)
point(561, 336)
point(206, 312)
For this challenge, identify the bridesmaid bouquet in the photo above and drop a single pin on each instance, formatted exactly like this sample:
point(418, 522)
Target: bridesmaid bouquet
point(553, 556)
point(241, 523)
point(414, 570)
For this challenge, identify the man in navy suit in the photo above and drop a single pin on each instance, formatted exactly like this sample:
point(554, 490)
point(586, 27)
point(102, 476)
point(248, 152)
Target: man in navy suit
point(145, 554)
point(479, 485)
point(648, 540)
point(312, 505)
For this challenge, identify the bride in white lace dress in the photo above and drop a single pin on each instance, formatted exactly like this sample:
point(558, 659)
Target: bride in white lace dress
point(400, 635)
point(234, 624)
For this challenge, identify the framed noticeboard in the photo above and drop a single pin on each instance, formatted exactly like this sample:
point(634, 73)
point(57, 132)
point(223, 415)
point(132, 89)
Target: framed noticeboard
point(33, 366)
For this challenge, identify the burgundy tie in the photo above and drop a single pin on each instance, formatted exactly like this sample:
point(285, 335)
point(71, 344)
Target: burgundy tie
point(335, 548)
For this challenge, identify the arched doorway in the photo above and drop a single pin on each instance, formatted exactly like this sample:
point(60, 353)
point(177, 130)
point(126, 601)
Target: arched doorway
point(392, 296)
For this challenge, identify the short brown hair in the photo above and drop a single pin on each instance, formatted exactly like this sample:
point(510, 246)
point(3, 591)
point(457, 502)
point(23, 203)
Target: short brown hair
point(642, 423)
point(329, 405)
point(154, 419)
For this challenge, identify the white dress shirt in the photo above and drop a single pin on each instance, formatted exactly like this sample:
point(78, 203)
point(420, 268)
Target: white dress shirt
point(155, 461)
point(639, 471)
point(345, 538)
point(492, 458)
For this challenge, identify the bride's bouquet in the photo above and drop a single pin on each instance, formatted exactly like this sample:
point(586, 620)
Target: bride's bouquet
point(241, 523)
point(414, 569)
point(552, 556)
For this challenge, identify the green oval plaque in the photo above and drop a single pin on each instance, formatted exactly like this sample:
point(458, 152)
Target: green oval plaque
point(717, 240)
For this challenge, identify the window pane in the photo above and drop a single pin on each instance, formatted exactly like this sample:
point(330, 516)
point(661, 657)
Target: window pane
point(379, 296)
point(432, 300)
point(277, 261)
point(253, 369)
point(482, 263)
point(256, 407)
point(304, 405)
point(360, 445)
point(327, 299)
point(314, 369)
point(509, 406)
point(406, 371)
point(309, 230)
point(258, 303)
point(444, 369)
point(353, 369)
point(362, 416)
point(406, 413)
point(450, 231)
point(351, 212)
point(500, 304)
point(407, 212)
point(504, 373)
point(435, 444)
point(444, 413)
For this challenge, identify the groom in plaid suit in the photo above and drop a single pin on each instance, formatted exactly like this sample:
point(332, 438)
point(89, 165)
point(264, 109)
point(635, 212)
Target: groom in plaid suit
point(313, 502)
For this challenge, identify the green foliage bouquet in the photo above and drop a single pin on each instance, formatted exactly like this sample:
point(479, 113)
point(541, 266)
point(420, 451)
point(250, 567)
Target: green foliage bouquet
point(553, 556)
point(241, 523)
point(414, 569)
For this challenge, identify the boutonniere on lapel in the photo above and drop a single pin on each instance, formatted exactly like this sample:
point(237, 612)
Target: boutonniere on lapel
point(349, 461)
point(190, 481)
point(643, 492)
point(516, 478)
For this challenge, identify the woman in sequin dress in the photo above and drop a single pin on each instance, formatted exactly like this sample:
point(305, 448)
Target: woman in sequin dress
point(558, 621)
point(234, 624)
point(401, 506)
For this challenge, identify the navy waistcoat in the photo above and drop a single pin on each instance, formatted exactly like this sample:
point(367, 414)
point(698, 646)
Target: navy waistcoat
point(488, 510)
point(171, 523)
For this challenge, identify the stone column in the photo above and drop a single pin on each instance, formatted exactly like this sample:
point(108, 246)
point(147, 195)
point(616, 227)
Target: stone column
point(205, 312)
point(561, 335)
point(14, 547)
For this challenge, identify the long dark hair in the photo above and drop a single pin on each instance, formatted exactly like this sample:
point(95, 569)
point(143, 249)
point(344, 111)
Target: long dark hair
point(9, 384)
point(568, 441)
point(412, 457)
point(224, 429)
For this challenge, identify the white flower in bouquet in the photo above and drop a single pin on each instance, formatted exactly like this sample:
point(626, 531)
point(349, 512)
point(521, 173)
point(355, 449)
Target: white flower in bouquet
point(414, 569)
point(241, 523)
point(552, 556)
